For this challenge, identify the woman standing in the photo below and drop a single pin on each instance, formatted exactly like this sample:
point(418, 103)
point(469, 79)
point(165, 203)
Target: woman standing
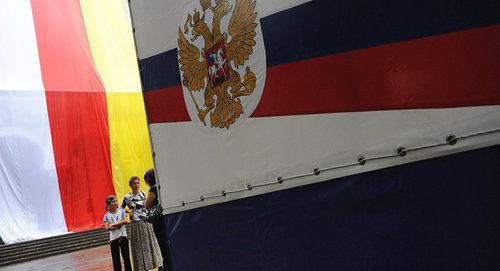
point(151, 201)
point(145, 249)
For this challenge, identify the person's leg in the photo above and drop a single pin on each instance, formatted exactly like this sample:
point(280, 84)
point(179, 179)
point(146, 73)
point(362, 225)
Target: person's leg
point(115, 255)
point(162, 241)
point(125, 254)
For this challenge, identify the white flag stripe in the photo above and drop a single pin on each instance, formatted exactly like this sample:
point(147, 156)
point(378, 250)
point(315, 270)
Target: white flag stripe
point(19, 61)
point(29, 194)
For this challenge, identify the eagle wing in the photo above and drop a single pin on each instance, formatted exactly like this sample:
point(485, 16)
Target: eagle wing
point(194, 70)
point(242, 30)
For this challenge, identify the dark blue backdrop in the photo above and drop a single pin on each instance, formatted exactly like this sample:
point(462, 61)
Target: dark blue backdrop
point(438, 214)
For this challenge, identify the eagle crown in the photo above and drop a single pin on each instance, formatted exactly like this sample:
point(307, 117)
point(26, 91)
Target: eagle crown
point(198, 24)
point(222, 7)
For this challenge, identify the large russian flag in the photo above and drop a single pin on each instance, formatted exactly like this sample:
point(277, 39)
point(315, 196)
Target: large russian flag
point(72, 122)
point(342, 80)
point(366, 100)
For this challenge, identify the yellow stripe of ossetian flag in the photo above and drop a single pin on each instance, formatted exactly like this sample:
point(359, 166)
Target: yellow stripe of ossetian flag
point(114, 55)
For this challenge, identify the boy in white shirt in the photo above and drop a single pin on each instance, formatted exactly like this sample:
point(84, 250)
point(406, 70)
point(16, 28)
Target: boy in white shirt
point(114, 220)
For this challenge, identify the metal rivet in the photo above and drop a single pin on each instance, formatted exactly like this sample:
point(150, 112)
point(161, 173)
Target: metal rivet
point(402, 151)
point(361, 160)
point(451, 139)
point(280, 179)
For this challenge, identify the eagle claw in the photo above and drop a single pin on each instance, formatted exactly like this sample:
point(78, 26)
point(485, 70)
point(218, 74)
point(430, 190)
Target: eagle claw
point(249, 84)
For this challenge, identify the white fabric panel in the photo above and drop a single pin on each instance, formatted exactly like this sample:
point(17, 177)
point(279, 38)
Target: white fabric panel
point(29, 191)
point(262, 149)
point(18, 50)
point(157, 16)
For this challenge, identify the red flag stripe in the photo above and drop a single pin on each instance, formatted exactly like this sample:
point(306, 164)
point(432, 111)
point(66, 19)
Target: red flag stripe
point(451, 70)
point(76, 102)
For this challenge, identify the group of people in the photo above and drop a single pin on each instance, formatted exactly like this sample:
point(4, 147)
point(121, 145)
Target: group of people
point(147, 240)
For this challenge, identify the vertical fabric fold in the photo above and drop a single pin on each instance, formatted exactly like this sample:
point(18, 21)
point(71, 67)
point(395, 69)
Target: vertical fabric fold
point(115, 59)
point(77, 109)
point(29, 194)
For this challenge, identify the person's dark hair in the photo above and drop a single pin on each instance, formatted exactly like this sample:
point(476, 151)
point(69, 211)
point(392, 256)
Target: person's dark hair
point(150, 177)
point(132, 179)
point(109, 199)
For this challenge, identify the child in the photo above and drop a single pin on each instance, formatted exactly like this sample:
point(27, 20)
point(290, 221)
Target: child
point(114, 220)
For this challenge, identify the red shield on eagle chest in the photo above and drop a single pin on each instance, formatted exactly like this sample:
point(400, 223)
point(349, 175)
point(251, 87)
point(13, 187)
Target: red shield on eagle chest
point(218, 68)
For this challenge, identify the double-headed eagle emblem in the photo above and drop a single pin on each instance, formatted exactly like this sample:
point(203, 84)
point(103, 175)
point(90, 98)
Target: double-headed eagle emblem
point(214, 69)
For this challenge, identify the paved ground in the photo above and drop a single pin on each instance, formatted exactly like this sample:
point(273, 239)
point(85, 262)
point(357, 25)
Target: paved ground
point(90, 259)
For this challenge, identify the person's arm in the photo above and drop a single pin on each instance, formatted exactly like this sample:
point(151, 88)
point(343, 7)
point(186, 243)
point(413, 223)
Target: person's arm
point(120, 223)
point(124, 203)
point(109, 227)
point(129, 212)
point(149, 200)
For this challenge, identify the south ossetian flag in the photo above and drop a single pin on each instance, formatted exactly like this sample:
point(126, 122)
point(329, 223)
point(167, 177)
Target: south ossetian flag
point(72, 120)
point(343, 80)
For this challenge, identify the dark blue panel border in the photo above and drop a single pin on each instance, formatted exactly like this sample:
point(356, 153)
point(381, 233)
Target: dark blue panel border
point(325, 27)
point(438, 214)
